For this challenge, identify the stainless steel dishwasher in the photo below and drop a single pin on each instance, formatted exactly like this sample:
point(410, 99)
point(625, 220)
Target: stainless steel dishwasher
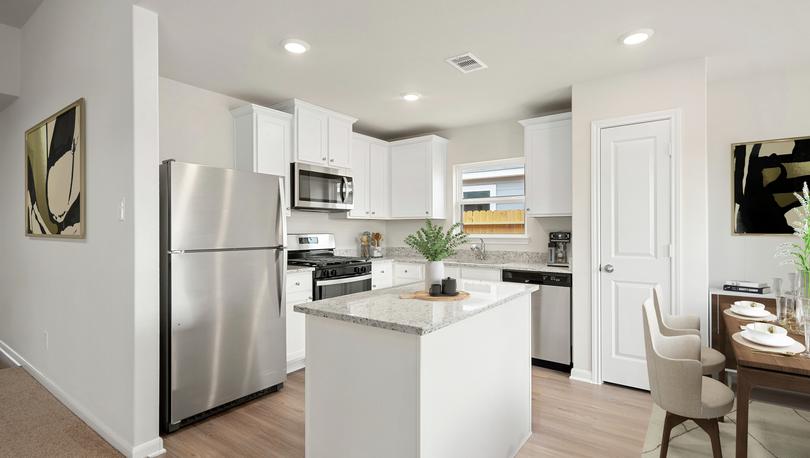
point(551, 317)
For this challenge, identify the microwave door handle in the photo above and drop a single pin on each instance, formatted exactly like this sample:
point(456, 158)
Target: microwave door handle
point(344, 183)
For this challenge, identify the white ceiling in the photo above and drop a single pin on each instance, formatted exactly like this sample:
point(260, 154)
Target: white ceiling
point(16, 12)
point(365, 53)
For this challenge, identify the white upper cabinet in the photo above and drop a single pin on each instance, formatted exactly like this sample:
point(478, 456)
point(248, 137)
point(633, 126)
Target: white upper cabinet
point(418, 170)
point(379, 168)
point(320, 136)
point(360, 176)
point(370, 170)
point(547, 147)
point(340, 142)
point(262, 140)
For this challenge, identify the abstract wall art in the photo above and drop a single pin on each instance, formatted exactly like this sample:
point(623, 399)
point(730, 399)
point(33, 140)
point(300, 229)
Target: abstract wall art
point(765, 176)
point(54, 175)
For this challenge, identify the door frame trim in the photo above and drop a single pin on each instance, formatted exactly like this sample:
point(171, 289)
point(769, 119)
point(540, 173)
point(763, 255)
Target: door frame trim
point(674, 116)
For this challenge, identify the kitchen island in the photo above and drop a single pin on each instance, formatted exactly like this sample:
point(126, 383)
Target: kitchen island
point(408, 378)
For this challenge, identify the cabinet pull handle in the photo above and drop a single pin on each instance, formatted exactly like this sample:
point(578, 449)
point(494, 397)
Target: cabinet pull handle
point(373, 213)
point(717, 316)
point(298, 283)
point(309, 298)
point(528, 209)
point(323, 158)
point(382, 271)
point(331, 160)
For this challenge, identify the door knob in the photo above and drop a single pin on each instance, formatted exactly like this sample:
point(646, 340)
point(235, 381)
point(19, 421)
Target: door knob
point(608, 268)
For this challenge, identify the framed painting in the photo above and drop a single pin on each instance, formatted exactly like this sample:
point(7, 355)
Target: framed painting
point(766, 174)
point(54, 175)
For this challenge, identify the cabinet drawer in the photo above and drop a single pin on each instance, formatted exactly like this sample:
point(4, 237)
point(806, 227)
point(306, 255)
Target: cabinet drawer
point(299, 282)
point(382, 274)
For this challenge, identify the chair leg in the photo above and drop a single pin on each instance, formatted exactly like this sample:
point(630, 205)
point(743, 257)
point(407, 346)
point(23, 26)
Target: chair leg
point(713, 430)
point(670, 421)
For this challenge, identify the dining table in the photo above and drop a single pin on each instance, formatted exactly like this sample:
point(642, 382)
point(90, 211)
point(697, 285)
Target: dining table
point(758, 369)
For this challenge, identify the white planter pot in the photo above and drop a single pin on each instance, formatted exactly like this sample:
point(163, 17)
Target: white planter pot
point(434, 272)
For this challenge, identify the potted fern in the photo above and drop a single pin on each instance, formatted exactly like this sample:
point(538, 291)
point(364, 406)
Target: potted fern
point(436, 244)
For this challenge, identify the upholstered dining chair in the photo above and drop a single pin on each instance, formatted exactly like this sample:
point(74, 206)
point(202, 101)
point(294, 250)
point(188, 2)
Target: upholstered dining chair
point(677, 384)
point(713, 362)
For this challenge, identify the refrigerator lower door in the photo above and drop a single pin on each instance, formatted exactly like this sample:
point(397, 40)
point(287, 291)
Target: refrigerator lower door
point(227, 327)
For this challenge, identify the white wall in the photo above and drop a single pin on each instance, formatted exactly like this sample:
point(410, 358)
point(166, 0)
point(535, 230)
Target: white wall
point(485, 142)
point(81, 292)
point(10, 38)
point(740, 109)
point(680, 86)
point(196, 126)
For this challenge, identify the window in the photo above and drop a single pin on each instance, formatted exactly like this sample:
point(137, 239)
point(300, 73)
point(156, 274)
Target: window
point(490, 198)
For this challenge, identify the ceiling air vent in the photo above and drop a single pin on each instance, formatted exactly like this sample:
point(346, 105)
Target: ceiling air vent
point(466, 63)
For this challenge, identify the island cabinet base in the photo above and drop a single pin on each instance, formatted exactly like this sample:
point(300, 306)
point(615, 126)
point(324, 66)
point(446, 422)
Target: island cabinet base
point(463, 390)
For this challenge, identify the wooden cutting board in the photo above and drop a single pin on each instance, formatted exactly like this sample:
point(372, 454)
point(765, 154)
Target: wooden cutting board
point(424, 296)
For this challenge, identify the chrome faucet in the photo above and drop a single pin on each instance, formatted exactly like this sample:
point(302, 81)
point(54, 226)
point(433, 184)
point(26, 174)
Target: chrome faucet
point(479, 250)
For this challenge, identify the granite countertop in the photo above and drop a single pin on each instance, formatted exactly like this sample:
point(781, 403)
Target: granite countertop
point(531, 267)
point(299, 268)
point(384, 309)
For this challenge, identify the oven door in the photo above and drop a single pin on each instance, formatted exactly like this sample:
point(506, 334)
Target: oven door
point(334, 287)
point(319, 188)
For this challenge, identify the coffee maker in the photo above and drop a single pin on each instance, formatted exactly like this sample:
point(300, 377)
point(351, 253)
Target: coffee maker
point(559, 245)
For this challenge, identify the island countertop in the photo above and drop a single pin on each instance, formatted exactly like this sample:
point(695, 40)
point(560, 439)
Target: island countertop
point(383, 308)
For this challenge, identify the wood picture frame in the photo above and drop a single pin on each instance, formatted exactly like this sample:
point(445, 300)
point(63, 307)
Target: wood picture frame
point(55, 175)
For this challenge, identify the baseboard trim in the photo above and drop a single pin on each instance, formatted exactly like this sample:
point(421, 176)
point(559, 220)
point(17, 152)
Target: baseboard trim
point(296, 364)
point(148, 448)
point(582, 375)
point(6, 355)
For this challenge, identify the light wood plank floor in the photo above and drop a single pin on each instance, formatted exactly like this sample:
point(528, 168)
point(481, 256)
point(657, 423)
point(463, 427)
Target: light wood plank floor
point(569, 419)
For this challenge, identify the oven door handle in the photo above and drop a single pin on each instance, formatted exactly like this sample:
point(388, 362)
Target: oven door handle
point(340, 281)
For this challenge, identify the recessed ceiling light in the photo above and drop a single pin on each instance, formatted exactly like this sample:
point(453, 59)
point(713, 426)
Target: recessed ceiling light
point(411, 96)
point(295, 46)
point(636, 37)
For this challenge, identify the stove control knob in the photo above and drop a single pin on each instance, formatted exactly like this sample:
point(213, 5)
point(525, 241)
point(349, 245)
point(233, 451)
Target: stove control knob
point(332, 273)
point(364, 269)
point(357, 270)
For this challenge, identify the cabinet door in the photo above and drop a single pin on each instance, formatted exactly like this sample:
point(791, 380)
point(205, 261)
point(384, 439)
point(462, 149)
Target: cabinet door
point(299, 291)
point(379, 181)
point(273, 150)
point(360, 166)
point(340, 142)
point(311, 135)
point(548, 169)
point(410, 184)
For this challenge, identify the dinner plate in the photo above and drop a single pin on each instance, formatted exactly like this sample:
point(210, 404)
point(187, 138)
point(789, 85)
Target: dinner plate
point(778, 342)
point(750, 312)
point(769, 318)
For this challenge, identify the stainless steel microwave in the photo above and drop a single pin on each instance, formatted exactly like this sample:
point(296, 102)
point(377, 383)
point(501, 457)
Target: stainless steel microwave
point(325, 189)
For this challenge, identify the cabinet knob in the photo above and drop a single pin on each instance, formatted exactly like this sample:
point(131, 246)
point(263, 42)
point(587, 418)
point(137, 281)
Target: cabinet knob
point(427, 213)
point(406, 271)
point(298, 283)
point(373, 286)
point(366, 213)
point(309, 298)
point(528, 209)
point(331, 160)
point(373, 213)
point(382, 271)
point(323, 158)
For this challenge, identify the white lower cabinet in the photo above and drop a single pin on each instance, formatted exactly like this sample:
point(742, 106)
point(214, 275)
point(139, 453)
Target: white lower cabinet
point(480, 273)
point(299, 291)
point(408, 272)
point(382, 274)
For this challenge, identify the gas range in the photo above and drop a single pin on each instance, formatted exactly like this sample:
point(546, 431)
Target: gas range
point(334, 275)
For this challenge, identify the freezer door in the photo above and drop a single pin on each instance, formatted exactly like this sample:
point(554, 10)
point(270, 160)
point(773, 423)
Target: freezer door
point(213, 208)
point(227, 327)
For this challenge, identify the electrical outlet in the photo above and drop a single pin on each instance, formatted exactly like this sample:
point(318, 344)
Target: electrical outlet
point(45, 339)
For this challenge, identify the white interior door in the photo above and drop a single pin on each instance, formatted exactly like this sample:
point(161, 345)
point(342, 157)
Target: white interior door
point(635, 241)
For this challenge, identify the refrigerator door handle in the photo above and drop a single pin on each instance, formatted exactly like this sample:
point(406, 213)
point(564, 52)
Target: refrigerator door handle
point(282, 214)
point(281, 277)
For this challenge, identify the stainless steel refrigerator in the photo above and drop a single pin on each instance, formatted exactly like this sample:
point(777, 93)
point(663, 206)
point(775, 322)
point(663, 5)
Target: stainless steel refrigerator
point(223, 268)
